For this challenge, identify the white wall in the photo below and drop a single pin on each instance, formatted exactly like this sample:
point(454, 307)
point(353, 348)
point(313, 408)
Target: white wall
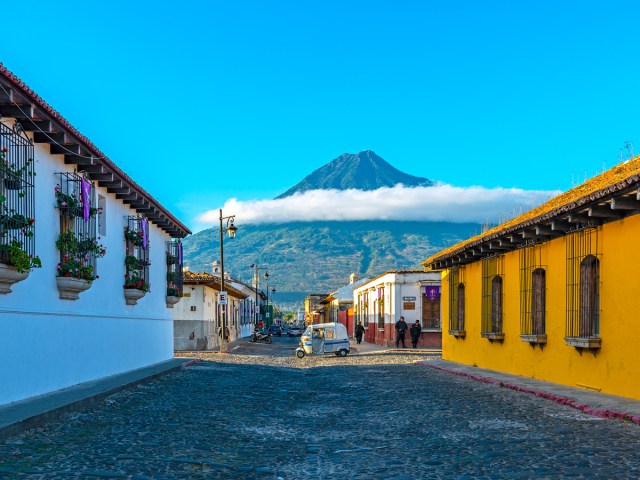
point(49, 343)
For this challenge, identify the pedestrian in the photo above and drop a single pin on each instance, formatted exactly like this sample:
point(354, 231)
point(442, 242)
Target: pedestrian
point(359, 332)
point(415, 333)
point(401, 329)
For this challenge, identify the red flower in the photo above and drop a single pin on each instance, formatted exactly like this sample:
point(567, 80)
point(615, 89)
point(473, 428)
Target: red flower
point(4, 150)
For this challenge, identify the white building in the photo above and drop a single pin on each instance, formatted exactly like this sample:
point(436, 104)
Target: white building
point(197, 318)
point(77, 318)
point(380, 302)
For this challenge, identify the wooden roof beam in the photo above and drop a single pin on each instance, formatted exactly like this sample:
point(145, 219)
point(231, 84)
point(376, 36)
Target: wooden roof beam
point(560, 226)
point(601, 211)
point(625, 203)
point(544, 230)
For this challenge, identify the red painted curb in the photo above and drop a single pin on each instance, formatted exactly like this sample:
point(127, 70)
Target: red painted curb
point(190, 362)
point(548, 396)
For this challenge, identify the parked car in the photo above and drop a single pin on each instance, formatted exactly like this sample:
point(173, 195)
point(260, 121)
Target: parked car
point(294, 332)
point(276, 330)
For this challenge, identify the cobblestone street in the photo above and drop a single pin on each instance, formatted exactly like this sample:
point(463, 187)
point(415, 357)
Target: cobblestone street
point(377, 417)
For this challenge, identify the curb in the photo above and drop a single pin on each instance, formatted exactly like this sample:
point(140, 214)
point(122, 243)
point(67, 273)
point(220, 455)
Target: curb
point(548, 396)
point(34, 412)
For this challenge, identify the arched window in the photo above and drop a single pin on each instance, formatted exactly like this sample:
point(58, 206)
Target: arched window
point(496, 304)
point(589, 296)
point(461, 307)
point(538, 301)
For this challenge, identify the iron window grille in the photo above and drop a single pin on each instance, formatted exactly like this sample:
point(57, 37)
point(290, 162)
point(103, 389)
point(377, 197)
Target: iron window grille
point(430, 312)
point(532, 294)
point(17, 193)
point(456, 302)
point(381, 307)
point(137, 253)
point(174, 268)
point(583, 288)
point(365, 309)
point(78, 237)
point(492, 296)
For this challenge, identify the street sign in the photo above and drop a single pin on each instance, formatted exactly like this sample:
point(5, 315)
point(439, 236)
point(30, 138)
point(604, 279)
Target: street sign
point(222, 298)
point(408, 299)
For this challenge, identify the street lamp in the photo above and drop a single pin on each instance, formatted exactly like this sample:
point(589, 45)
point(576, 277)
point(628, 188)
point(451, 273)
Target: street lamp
point(231, 229)
point(257, 280)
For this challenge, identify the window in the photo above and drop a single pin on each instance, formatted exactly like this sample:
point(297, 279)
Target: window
point(137, 242)
point(17, 196)
point(174, 269)
point(589, 297)
point(456, 302)
point(532, 295)
point(77, 242)
point(460, 315)
point(496, 304)
point(583, 289)
point(380, 307)
point(193, 308)
point(330, 333)
point(365, 309)
point(538, 301)
point(431, 307)
point(102, 215)
point(492, 293)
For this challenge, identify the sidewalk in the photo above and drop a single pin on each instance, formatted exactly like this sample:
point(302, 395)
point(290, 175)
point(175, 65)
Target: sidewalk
point(33, 412)
point(592, 403)
point(368, 348)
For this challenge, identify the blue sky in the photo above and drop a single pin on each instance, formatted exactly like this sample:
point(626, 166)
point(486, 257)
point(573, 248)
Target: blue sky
point(202, 102)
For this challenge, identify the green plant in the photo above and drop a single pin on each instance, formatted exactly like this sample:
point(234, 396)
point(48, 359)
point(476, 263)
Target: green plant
point(76, 254)
point(133, 236)
point(171, 277)
point(173, 292)
point(135, 282)
point(17, 221)
point(14, 255)
point(13, 169)
point(134, 263)
point(171, 259)
point(66, 202)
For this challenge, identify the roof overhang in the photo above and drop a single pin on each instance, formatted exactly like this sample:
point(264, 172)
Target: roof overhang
point(20, 102)
point(609, 204)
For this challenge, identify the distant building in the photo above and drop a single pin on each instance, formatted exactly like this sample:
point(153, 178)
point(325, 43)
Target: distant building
point(197, 319)
point(380, 302)
point(314, 311)
point(339, 304)
point(553, 294)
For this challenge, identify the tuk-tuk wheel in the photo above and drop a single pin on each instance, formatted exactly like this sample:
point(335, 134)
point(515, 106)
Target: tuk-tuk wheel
point(299, 353)
point(343, 353)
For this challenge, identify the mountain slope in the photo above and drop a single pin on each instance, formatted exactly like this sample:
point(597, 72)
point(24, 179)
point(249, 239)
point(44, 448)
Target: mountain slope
point(317, 257)
point(363, 171)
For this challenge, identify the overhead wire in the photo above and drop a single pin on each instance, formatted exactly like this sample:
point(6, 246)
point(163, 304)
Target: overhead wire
point(91, 157)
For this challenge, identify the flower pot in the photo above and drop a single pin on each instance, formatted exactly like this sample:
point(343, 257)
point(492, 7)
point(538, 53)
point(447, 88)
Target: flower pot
point(13, 183)
point(9, 276)
point(132, 295)
point(171, 301)
point(70, 287)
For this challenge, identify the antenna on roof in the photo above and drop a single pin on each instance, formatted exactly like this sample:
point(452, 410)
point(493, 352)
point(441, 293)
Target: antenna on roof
point(629, 146)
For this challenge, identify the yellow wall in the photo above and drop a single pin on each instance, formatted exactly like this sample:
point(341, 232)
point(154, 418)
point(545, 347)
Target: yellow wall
point(613, 369)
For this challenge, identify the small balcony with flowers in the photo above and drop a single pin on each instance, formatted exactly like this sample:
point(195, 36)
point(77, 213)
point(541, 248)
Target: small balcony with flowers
point(17, 221)
point(136, 262)
point(78, 243)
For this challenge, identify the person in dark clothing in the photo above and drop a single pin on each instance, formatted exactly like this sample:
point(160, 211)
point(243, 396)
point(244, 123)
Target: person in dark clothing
point(359, 332)
point(401, 329)
point(415, 333)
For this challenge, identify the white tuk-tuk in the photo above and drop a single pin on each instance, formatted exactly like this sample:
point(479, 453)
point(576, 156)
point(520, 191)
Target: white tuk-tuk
point(324, 338)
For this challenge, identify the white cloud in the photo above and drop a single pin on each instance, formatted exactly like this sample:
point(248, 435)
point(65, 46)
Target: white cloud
point(438, 203)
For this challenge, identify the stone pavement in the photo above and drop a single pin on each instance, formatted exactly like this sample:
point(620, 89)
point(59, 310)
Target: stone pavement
point(374, 418)
point(33, 412)
point(589, 402)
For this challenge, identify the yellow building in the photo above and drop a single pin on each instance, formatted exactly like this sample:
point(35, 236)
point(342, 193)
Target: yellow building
point(553, 294)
